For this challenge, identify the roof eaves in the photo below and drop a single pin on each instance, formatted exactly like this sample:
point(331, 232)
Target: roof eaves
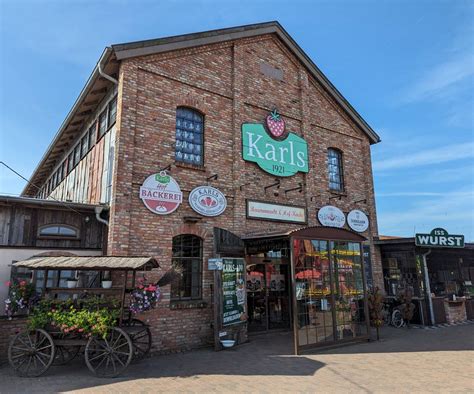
point(95, 73)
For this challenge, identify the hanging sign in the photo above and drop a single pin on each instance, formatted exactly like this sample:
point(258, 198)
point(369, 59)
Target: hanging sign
point(233, 291)
point(358, 220)
point(275, 212)
point(331, 216)
point(274, 149)
point(207, 201)
point(161, 193)
point(439, 238)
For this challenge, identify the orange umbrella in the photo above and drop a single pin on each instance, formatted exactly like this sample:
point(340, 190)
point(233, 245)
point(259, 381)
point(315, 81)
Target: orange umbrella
point(308, 274)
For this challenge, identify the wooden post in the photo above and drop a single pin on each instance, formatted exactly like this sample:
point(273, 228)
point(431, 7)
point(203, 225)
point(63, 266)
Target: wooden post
point(217, 308)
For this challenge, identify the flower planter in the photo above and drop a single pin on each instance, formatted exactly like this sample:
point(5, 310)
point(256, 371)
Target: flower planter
point(106, 284)
point(71, 284)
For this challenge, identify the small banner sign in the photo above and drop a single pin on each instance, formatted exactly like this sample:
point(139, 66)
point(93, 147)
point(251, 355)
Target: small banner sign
point(275, 212)
point(233, 291)
point(439, 238)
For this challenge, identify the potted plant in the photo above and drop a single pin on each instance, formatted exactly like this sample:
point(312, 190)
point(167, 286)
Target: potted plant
point(71, 283)
point(106, 280)
point(375, 301)
point(21, 295)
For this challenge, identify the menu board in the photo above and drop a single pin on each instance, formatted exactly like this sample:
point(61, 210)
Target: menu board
point(233, 291)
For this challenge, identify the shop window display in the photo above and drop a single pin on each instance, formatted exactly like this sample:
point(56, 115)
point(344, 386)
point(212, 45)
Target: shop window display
point(329, 291)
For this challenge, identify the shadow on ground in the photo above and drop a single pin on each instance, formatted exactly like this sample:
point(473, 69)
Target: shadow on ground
point(263, 355)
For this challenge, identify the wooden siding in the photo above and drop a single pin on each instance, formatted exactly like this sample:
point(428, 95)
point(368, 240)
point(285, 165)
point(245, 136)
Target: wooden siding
point(91, 180)
point(19, 227)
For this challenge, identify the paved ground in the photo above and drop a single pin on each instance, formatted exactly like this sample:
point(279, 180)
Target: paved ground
point(439, 361)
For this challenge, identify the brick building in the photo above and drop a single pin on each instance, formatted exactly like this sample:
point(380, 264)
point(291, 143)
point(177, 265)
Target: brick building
point(159, 118)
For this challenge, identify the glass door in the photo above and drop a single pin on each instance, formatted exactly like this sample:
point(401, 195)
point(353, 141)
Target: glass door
point(329, 291)
point(268, 302)
point(256, 297)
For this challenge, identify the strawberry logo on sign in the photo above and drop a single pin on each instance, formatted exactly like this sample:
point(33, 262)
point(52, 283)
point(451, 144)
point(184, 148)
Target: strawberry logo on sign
point(275, 124)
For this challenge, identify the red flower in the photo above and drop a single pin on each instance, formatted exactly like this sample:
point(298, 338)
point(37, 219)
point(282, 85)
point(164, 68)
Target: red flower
point(8, 283)
point(22, 283)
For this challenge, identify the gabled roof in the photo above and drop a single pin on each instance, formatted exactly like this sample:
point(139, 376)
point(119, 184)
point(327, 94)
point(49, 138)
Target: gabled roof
point(97, 86)
point(148, 47)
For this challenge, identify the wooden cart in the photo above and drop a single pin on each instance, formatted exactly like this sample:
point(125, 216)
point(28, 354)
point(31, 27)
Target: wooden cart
point(32, 352)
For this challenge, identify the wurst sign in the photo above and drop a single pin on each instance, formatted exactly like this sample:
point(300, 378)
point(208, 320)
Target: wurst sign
point(439, 238)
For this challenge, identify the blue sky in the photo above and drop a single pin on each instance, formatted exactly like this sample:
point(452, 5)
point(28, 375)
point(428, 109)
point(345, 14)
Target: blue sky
point(406, 66)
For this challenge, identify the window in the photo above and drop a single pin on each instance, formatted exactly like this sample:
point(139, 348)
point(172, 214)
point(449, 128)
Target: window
point(335, 171)
point(77, 154)
point(112, 111)
point(84, 145)
point(70, 162)
point(189, 136)
point(102, 123)
point(92, 130)
point(58, 231)
point(187, 254)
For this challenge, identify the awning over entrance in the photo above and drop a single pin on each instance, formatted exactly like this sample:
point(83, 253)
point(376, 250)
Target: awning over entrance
point(314, 232)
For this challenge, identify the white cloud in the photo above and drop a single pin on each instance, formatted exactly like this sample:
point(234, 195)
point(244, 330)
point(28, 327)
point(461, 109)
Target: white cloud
point(430, 156)
point(443, 81)
point(454, 211)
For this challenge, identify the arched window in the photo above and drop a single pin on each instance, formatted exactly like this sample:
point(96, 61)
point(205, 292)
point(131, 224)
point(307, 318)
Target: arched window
point(335, 170)
point(189, 136)
point(58, 231)
point(187, 255)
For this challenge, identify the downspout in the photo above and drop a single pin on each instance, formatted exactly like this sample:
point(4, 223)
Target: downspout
point(103, 74)
point(428, 288)
point(98, 211)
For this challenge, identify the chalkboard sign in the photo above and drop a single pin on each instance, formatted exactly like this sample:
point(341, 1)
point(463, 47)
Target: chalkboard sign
point(233, 291)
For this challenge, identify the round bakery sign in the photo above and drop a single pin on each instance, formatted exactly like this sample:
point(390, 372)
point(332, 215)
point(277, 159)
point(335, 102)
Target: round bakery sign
point(358, 220)
point(207, 200)
point(161, 193)
point(331, 216)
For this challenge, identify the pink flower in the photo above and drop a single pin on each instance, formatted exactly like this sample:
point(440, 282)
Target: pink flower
point(8, 283)
point(22, 283)
point(140, 286)
point(81, 330)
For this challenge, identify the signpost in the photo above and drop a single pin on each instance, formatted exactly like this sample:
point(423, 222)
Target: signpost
point(439, 238)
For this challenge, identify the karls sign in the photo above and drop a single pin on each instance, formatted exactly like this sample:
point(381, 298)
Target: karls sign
point(439, 238)
point(274, 149)
point(161, 194)
point(207, 200)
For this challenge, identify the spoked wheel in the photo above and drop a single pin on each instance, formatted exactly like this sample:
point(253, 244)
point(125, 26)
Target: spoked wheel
point(109, 356)
point(31, 353)
point(140, 335)
point(64, 354)
point(397, 319)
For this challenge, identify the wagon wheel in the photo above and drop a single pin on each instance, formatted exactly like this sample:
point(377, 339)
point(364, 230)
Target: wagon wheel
point(109, 356)
point(31, 353)
point(140, 336)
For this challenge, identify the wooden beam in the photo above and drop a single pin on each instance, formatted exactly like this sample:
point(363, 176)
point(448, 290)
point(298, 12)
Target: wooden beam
point(99, 91)
point(94, 102)
point(84, 113)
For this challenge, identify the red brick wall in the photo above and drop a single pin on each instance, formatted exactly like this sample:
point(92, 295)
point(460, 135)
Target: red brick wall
point(8, 329)
point(225, 83)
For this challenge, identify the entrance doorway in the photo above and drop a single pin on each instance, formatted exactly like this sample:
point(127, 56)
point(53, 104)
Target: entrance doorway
point(268, 293)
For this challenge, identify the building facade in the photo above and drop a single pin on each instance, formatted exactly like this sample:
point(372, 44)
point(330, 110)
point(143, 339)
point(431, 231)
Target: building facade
point(244, 111)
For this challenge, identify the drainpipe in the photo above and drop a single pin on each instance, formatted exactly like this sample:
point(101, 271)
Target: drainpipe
point(103, 74)
point(98, 211)
point(428, 288)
